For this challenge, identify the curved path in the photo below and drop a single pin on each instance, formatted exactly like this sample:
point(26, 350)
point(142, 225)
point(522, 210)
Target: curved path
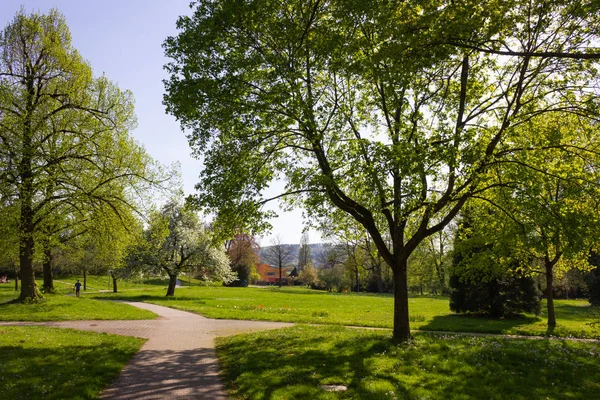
point(177, 362)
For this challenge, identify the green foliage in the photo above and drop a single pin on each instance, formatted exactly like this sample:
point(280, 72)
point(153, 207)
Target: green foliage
point(50, 363)
point(486, 277)
point(293, 363)
point(308, 275)
point(65, 145)
point(333, 279)
point(497, 297)
point(394, 113)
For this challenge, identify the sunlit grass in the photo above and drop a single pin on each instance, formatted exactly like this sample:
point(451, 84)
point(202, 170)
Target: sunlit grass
point(65, 308)
point(51, 363)
point(293, 363)
point(293, 304)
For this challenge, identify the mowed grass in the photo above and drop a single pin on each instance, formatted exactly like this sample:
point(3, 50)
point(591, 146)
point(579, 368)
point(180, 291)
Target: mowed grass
point(293, 304)
point(292, 364)
point(64, 308)
point(51, 363)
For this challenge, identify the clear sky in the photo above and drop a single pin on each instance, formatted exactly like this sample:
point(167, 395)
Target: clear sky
point(123, 39)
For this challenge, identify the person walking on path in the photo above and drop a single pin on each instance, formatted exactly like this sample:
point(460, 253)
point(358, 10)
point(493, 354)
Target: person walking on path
point(77, 288)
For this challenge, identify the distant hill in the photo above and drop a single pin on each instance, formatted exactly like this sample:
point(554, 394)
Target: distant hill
point(316, 253)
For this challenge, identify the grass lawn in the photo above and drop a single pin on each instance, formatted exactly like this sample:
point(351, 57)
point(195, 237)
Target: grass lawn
point(310, 306)
point(292, 364)
point(50, 363)
point(63, 308)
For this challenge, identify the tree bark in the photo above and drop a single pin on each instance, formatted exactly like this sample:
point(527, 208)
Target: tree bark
point(401, 321)
point(172, 283)
point(29, 290)
point(16, 276)
point(550, 294)
point(114, 280)
point(279, 275)
point(47, 267)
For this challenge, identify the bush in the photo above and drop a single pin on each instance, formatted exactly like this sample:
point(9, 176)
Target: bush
point(244, 275)
point(481, 283)
point(334, 278)
point(593, 280)
point(496, 297)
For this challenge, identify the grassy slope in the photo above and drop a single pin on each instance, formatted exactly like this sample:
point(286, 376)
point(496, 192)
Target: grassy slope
point(309, 306)
point(51, 363)
point(292, 363)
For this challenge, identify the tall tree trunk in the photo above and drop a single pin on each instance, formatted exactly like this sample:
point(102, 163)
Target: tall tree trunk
point(16, 275)
point(280, 275)
point(172, 283)
point(440, 276)
point(549, 293)
point(84, 278)
point(29, 290)
point(401, 321)
point(47, 267)
point(114, 281)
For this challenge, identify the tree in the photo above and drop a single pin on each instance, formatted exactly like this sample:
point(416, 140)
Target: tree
point(309, 275)
point(64, 137)
point(552, 213)
point(175, 241)
point(243, 252)
point(279, 254)
point(392, 112)
point(304, 256)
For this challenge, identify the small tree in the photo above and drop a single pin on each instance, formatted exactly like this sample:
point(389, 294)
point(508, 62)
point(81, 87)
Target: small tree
point(304, 256)
point(279, 254)
point(176, 241)
point(308, 275)
point(334, 278)
point(243, 256)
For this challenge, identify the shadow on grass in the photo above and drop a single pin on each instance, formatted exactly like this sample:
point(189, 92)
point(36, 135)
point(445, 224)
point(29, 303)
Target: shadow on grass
point(568, 312)
point(373, 367)
point(148, 297)
point(59, 373)
point(473, 323)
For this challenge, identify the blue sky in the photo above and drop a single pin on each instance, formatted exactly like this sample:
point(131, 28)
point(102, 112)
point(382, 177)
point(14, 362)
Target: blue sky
point(123, 39)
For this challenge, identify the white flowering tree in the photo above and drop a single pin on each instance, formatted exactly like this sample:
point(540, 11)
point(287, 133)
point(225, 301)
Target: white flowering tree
point(175, 241)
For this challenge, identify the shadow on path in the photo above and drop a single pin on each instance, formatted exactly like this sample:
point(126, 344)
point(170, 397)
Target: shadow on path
point(177, 374)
